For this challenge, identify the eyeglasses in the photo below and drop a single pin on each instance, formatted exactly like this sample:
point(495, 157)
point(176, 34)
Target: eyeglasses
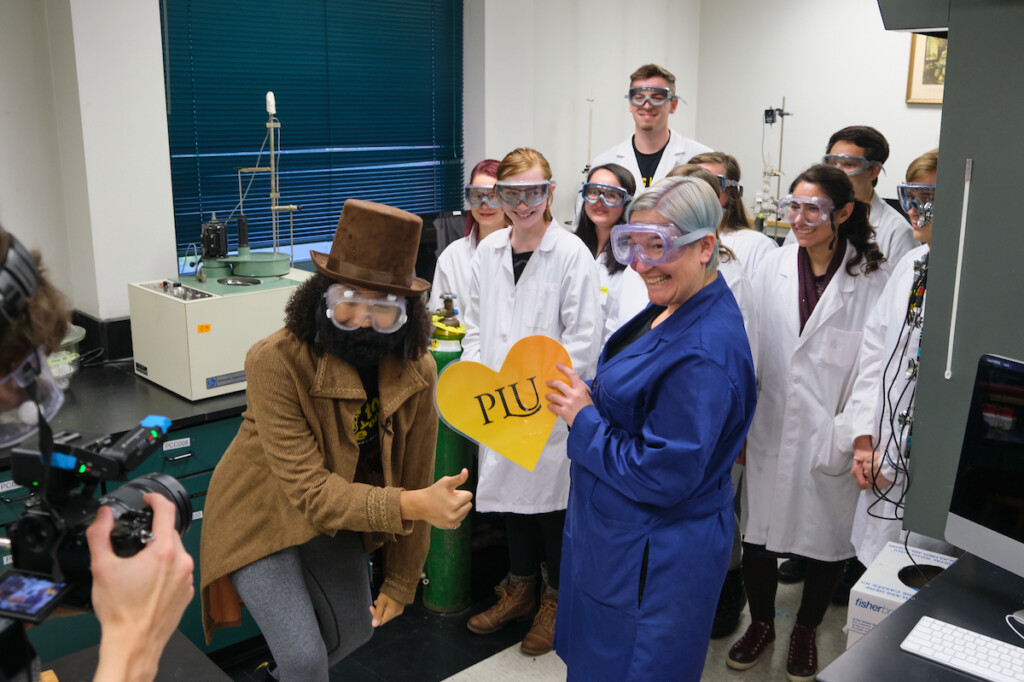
point(915, 196)
point(26, 392)
point(652, 243)
point(725, 183)
point(654, 96)
point(348, 309)
point(849, 164)
point(529, 193)
point(812, 210)
point(478, 195)
point(609, 195)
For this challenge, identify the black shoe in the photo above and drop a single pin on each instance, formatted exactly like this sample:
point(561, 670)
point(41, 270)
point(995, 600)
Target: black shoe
point(854, 570)
point(792, 571)
point(730, 605)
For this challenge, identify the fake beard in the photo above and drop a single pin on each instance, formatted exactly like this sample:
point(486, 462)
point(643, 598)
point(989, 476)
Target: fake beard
point(359, 347)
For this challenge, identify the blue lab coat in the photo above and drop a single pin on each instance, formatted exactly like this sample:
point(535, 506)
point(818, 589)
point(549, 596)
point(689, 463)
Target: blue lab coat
point(649, 526)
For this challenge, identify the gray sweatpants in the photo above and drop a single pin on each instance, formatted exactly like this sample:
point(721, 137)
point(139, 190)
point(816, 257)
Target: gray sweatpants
point(311, 602)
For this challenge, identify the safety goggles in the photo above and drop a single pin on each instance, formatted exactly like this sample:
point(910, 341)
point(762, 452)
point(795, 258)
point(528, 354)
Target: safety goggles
point(655, 96)
point(529, 193)
point(609, 195)
point(725, 183)
point(915, 196)
point(849, 164)
point(25, 393)
point(652, 243)
point(348, 309)
point(478, 195)
point(813, 210)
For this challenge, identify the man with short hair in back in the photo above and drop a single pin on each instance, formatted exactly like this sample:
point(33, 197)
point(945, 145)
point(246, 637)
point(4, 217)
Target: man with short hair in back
point(861, 151)
point(654, 149)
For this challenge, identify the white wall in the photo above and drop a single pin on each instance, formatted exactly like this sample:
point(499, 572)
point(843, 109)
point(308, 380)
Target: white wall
point(85, 172)
point(545, 59)
point(30, 178)
point(835, 64)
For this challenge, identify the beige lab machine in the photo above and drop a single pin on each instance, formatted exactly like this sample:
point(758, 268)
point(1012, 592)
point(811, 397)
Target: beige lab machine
point(191, 337)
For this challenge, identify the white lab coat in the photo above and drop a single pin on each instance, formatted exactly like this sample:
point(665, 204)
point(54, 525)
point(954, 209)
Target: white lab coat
point(736, 277)
point(623, 295)
point(893, 234)
point(678, 151)
point(878, 400)
point(558, 296)
point(799, 495)
point(750, 247)
point(452, 274)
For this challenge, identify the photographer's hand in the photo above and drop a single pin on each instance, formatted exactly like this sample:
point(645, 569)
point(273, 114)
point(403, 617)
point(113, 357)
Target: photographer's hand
point(138, 600)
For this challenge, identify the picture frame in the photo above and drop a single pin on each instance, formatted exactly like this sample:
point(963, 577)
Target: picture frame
point(926, 76)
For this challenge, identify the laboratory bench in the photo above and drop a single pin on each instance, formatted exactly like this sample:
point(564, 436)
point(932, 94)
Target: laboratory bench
point(112, 399)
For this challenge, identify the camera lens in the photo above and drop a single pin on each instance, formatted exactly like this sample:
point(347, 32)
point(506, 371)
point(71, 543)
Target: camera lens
point(128, 498)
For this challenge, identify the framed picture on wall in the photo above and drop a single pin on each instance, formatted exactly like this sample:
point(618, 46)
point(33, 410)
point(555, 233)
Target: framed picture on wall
point(927, 74)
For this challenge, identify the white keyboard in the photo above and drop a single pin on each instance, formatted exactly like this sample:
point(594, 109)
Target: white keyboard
point(966, 651)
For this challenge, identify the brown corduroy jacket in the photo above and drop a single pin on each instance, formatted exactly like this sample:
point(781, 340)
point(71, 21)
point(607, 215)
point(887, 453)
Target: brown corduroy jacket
point(287, 475)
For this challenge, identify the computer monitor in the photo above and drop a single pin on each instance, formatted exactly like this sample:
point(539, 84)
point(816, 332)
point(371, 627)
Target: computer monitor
point(986, 513)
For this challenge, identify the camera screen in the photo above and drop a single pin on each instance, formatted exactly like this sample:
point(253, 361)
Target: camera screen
point(27, 597)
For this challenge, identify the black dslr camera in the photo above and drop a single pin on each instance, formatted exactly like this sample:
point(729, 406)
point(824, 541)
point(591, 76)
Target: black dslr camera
point(48, 544)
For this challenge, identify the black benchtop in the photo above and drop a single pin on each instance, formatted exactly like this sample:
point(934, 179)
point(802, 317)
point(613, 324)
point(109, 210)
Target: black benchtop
point(111, 399)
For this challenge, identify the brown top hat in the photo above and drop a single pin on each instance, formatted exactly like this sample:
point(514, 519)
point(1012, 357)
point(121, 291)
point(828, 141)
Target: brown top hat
point(374, 247)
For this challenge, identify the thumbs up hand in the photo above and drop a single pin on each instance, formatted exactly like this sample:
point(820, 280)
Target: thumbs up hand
point(441, 505)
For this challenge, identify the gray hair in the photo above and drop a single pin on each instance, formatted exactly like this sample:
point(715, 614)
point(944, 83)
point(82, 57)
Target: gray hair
point(687, 202)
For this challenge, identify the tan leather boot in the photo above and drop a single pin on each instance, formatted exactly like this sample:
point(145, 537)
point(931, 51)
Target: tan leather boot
point(517, 597)
point(541, 636)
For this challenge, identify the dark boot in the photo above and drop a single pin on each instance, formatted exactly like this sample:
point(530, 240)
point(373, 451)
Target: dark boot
point(541, 637)
point(745, 653)
point(517, 596)
point(730, 605)
point(854, 570)
point(802, 662)
point(792, 571)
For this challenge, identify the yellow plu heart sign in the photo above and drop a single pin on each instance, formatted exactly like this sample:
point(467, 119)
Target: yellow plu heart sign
point(506, 410)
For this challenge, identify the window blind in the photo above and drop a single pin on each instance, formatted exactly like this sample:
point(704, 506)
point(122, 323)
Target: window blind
point(369, 97)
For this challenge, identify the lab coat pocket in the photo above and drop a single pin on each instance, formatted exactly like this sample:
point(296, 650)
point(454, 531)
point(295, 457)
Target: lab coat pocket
point(828, 458)
point(837, 348)
point(541, 302)
point(614, 554)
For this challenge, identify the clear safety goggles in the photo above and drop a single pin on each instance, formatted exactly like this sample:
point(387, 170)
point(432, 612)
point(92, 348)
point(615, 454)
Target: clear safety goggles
point(813, 210)
point(25, 393)
point(348, 309)
point(655, 96)
point(529, 193)
point(725, 183)
point(478, 195)
point(916, 196)
point(849, 164)
point(609, 195)
point(652, 243)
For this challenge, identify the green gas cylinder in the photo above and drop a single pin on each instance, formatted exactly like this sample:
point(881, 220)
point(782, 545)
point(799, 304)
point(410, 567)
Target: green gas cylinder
point(446, 587)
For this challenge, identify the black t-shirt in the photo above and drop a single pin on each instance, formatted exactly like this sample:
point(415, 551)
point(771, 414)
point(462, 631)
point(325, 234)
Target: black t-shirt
point(519, 261)
point(365, 425)
point(648, 163)
point(643, 326)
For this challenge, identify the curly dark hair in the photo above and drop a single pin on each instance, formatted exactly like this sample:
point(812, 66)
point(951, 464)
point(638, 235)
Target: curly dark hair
point(837, 186)
point(43, 322)
point(304, 305)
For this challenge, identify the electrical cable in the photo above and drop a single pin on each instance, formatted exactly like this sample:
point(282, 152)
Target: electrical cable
point(899, 423)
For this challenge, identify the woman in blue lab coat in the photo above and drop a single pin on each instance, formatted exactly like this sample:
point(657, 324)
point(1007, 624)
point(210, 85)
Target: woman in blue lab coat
point(649, 526)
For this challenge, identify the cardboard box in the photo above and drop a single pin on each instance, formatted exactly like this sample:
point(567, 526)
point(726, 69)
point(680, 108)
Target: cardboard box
point(880, 591)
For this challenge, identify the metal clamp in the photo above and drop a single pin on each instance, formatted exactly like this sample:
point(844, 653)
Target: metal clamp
point(4, 498)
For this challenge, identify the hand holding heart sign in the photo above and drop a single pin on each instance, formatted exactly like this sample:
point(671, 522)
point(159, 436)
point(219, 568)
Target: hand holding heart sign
point(506, 410)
